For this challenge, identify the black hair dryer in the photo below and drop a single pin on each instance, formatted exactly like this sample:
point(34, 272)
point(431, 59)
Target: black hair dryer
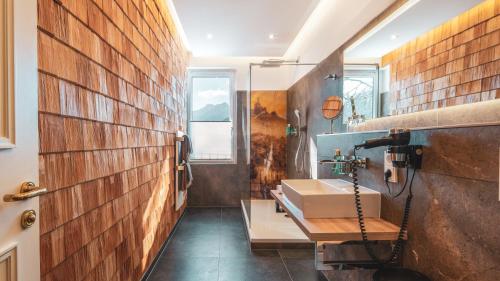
point(398, 146)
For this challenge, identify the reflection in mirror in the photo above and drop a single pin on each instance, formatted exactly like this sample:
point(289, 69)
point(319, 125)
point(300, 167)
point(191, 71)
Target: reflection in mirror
point(361, 94)
point(416, 71)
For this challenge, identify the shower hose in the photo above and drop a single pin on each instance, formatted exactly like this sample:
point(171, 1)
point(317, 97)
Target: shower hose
point(397, 249)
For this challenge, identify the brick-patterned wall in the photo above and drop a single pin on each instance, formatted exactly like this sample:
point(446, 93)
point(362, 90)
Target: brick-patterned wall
point(455, 63)
point(111, 97)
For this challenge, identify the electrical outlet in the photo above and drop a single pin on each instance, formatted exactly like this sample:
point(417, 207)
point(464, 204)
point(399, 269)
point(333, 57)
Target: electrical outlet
point(388, 166)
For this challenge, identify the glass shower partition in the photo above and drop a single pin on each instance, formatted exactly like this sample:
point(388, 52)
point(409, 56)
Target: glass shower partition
point(264, 120)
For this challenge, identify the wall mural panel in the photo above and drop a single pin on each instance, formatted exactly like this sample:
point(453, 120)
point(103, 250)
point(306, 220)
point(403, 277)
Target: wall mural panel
point(268, 141)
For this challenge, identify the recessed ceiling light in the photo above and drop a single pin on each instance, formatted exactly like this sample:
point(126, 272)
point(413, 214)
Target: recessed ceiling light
point(271, 36)
point(394, 37)
point(210, 36)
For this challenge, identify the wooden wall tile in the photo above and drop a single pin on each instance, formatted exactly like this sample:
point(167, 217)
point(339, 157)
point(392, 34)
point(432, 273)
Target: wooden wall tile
point(82, 263)
point(48, 94)
point(57, 246)
point(105, 82)
point(51, 133)
point(73, 134)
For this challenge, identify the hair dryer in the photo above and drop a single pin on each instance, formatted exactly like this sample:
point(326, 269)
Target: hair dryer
point(398, 146)
point(396, 137)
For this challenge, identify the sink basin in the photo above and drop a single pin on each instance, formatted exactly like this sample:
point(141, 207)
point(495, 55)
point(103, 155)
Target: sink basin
point(329, 198)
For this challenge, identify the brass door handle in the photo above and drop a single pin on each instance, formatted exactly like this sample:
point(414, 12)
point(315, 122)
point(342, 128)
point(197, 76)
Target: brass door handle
point(28, 190)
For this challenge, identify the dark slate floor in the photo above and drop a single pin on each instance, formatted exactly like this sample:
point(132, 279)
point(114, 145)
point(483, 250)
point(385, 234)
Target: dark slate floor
point(210, 244)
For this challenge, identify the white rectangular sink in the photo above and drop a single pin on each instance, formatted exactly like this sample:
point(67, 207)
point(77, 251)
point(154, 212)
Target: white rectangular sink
point(330, 198)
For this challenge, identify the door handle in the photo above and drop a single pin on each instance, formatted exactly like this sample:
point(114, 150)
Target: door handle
point(28, 190)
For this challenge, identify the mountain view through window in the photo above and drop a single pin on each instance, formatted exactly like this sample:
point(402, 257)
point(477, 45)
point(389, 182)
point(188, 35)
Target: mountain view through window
point(210, 118)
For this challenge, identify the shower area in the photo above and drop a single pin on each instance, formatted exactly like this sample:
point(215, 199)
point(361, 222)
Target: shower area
point(274, 120)
point(269, 134)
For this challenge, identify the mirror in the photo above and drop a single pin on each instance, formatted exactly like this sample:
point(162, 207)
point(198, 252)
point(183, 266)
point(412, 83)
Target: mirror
point(332, 108)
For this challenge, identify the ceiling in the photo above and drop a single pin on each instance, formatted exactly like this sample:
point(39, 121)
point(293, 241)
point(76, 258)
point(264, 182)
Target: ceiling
point(413, 19)
point(242, 27)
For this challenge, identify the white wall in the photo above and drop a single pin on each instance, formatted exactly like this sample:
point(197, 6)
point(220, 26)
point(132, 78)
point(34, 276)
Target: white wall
point(331, 24)
point(262, 78)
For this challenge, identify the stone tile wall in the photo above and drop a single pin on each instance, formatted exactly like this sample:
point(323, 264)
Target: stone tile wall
point(453, 234)
point(224, 184)
point(307, 95)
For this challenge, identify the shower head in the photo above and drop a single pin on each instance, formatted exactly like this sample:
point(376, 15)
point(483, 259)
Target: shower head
point(297, 112)
point(276, 62)
point(273, 61)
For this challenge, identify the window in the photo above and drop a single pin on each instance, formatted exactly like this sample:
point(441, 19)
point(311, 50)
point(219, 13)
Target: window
point(360, 92)
point(212, 115)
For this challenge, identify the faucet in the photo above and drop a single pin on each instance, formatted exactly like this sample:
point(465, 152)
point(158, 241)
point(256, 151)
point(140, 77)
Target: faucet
point(343, 164)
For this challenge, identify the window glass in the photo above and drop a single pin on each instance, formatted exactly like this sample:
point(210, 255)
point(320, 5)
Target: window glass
point(211, 99)
point(211, 115)
point(211, 140)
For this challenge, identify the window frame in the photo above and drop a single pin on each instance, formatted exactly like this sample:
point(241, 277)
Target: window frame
point(215, 73)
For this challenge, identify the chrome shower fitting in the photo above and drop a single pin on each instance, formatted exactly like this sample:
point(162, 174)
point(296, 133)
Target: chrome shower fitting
point(277, 62)
point(331, 76)
point(343, 164)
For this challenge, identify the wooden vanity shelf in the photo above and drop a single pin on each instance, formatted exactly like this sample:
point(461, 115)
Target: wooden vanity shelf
point(338, 229)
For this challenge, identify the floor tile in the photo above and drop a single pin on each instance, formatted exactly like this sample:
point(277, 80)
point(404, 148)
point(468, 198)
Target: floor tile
point(232, 215)
point(202, 215)
point(211, 244)
point(303, 269)
point(252, 269)
point(197, 245)
point(186, 269)
point(297, 253)
point(197, 228)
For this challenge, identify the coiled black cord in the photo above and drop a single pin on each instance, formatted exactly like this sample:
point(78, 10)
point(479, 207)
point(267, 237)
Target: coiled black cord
point(406, 181)
point(396, 251)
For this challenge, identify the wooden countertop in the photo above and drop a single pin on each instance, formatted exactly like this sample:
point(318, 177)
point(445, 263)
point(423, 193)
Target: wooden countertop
point(341, 229)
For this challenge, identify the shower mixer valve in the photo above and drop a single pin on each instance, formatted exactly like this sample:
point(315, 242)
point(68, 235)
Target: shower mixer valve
point(343, 164)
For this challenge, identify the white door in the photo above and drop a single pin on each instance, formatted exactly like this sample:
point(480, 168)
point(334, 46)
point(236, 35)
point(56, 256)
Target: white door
point(19, 247)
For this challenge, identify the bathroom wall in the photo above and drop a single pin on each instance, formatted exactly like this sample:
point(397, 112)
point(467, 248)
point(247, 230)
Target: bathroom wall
point(453, 234)
point(111, 98)
point(308, 95)
point(455, 63)
point(267, 141)
point(224, 184)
